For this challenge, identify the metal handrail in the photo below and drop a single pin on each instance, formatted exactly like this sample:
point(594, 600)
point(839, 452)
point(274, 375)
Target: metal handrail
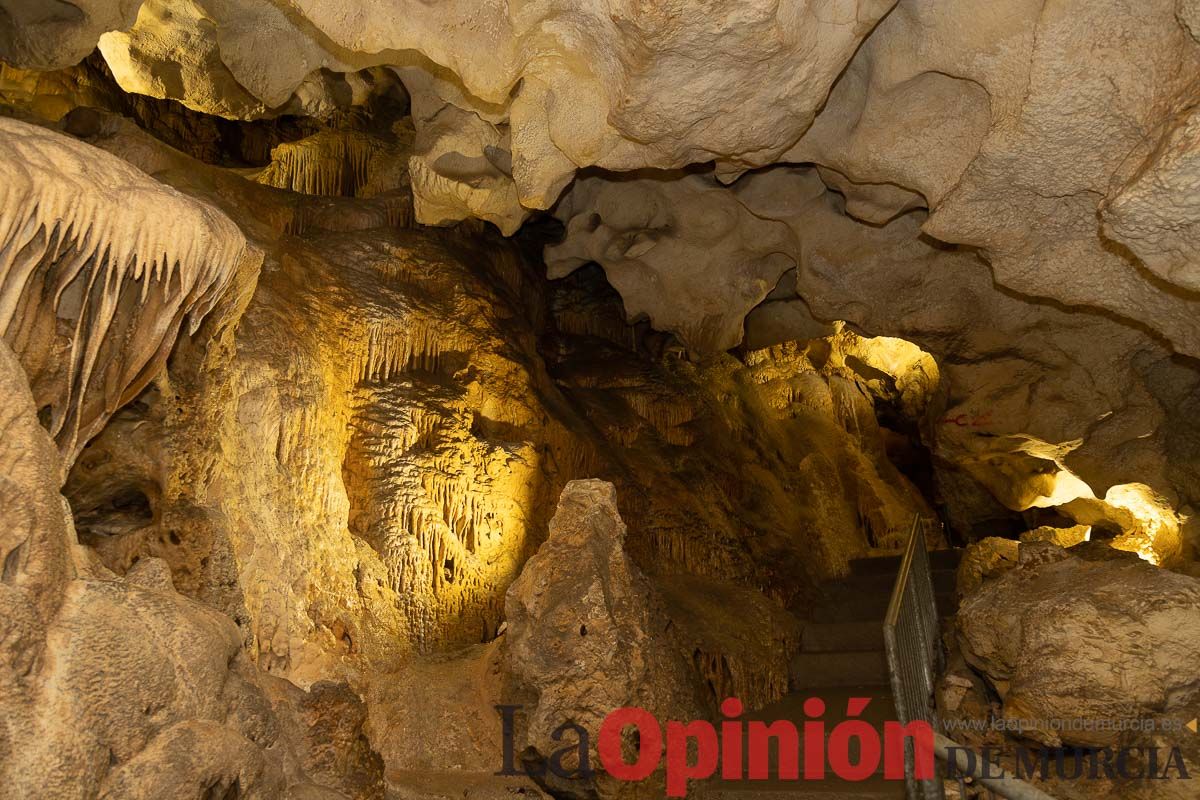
point(911, 636)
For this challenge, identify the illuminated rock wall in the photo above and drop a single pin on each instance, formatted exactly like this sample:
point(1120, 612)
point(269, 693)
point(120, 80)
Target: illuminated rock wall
point(274, 394)
point(359, 467)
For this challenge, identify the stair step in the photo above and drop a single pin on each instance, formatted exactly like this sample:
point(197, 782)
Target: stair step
point(858, 607)
point(819, 670)
point(938, 560)
point(832, 637)
point(868, 583)
point(791, 706)
point(944, 580)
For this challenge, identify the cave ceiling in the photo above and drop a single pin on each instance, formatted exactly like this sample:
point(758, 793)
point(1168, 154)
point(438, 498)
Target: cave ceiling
point(1013, 186)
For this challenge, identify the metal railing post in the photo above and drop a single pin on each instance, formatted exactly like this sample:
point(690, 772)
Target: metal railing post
point(912, 640)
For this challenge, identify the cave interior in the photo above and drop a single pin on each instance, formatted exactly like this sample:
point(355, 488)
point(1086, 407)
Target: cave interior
point(372, 366)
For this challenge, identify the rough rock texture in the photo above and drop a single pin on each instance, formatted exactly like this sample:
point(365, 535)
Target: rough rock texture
point(328, 723)
point(44, 37)
point(951, 248)
point(974, 182)
point(664, 253)
point(210, 54)
point(984, 560)
point(789, 416)
point(101, 266)
point(358, 468)
point(437, 713)
point(1062, 537)
point(739, 642)
point(443, 442)
point(903, 105)
point(1069, 639)
point(1157, 210)
point(610, 84)
point(372, 494)
point(1025, 416)
point(461, 163)
point(916, 104)
point(404, 439)
point(587, 632)
point(193, 722)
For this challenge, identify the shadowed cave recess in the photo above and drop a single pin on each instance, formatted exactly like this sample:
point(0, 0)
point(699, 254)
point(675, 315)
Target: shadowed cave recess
point(369, 365)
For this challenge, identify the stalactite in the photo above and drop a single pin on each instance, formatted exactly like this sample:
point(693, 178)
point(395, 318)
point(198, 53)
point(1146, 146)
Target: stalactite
point(757, 683)
point(506, 263)
point(577, 322)
point(666, 414)
point(330, 163)
point(393, 349)
point(87, 239)
point(851, 407)
point(434, 499)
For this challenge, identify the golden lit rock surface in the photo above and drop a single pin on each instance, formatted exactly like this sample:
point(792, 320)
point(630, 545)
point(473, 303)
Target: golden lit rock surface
point(356, 460)
point(984, 121)
point(986, 559)
point(320, 320)
point(913, 105)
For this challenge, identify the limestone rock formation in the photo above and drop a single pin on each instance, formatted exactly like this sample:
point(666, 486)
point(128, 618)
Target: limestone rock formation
point(402, 530)
point(41, 37)
point(739, 642)
point(77, 723)
point(173, 50)
point(443, 443)
point(990, 133)
point(910, 105)
point(1069, 639)
point(196, 719)
point(665, 254)
point(587, 633)
point(1027, 448)
point(582, 100)
point(461, 162)
point(436, 714)
point(102, 266)
point(984, 560)
point(323, 304)
point(1062, 537)
point(327, 722)
point(1155, 213)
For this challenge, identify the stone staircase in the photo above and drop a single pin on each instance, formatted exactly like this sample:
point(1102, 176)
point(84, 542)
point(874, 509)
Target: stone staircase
point(842, 657)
